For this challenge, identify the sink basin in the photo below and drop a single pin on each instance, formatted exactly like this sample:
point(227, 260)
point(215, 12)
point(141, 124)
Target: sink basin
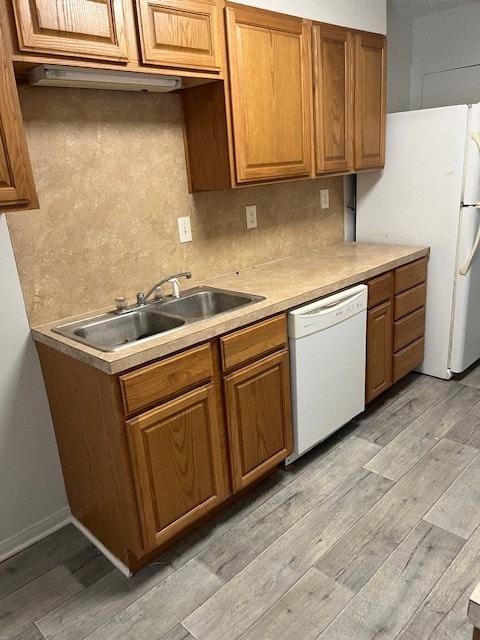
point(201, 303)
point(111, 332)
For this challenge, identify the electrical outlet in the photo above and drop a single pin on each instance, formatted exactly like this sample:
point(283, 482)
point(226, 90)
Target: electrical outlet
point(251, 211)
point(324, 198)
point(184, 229)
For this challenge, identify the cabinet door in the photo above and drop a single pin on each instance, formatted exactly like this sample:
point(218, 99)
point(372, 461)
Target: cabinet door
point(370, 82)
point(379, 350)
point(178, 462)
point(82, 28)
point(180, 33)
point(333, 98)
point(17, 188)
point(259, 418)
point(271, 93)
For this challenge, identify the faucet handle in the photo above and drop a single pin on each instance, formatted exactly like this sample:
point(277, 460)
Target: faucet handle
point(121, 303)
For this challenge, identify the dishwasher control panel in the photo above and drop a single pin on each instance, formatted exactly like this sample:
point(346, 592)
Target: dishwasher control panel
point(326, 312)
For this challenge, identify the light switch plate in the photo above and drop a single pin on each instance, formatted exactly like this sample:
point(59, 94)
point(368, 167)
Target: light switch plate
point(324, 198)
point(184, 229)
point(251, 212)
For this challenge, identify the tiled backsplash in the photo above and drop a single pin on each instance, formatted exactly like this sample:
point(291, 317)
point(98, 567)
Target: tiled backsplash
point(111, 178)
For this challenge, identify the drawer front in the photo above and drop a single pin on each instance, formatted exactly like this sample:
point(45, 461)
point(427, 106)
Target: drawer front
point(252, 342)
point(410, 301)
point(408, 329)
point(410, 275)
point(150, 385)
point(380, 289)
point(407, 359)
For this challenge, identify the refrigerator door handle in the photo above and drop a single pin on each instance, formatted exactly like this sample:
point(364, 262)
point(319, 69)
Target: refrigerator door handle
point(475, 135)
point(464, 270)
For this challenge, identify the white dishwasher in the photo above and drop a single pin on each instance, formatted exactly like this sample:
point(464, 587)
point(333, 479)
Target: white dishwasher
point(327, 343)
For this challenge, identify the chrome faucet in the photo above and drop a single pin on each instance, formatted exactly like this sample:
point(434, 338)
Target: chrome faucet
point(142, 298)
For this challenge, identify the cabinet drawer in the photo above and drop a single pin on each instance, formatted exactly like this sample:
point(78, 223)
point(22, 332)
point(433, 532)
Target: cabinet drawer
point(410, 275)
point(252, 342)
point(408, 329)
point(380, 289)
point(407, 359)
point(150, 385)
point(410, 300)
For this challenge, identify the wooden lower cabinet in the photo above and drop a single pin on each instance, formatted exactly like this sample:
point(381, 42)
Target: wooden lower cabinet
point(146, 455)
point(395, 325)
point(379, 350)
point(258, 418)
point(178, 464)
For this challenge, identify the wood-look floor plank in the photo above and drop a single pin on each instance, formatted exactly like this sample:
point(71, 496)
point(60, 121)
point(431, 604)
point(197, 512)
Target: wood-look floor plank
point(162, 608)
point(445, 608)
point(178, 633)
point(467, 430)
point(199, 539)
point(87, 611)
point(457, 510)
point(40, 558)
point(246, 597)
point(358, 555)
point(22, 607)
point(404, 451)
point(89, 565)
point(386, 425)
point(383, 607)
point(471, 377)
point(304, 611)
point(29, 633)
point(230, 553)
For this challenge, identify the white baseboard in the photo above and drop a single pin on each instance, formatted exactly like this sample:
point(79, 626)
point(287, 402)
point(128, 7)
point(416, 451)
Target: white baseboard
point(108, 554)
point(34, 533)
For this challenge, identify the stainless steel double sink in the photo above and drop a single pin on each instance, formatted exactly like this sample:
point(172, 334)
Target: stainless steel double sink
point(112, 331)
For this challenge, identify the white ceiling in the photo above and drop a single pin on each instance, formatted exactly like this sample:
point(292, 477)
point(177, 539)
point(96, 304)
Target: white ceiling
point(416, 8)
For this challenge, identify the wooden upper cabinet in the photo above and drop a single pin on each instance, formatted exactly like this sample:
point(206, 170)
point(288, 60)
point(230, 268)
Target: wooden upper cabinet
point(270, 76)
point(178, 464)
point(333, 56)
point(17, 187)
point(370, 92)
point(74, 28)
point(181, 33)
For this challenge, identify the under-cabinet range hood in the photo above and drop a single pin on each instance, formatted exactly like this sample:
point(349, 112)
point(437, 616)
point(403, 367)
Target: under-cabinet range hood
point(60, 76)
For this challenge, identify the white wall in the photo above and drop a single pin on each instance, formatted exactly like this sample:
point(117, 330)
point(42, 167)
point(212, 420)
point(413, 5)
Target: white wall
point(32, 494)
point(370, 15)
point(399, 61)
point(446, 57)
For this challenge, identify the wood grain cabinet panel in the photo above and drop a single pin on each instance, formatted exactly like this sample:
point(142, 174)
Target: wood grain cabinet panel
point(242, 346)
point(370, 95)
point(17, 187)
point(270, 80)
point(410, 275)
point(258, 418)
point(410, 300)
point(181, 33)
point(177, 459)
point(408, 358)
point(380, 289)
point(333, 56)
point(75, 28)
point(379, 350)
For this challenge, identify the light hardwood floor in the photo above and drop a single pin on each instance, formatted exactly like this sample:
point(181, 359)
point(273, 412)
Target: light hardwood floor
point(373, 535)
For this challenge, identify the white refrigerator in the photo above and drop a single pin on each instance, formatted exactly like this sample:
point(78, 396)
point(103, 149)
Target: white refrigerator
point(429, 194)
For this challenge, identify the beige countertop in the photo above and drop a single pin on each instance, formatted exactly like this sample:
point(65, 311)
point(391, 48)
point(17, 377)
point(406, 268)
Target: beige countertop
point(284, 283)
